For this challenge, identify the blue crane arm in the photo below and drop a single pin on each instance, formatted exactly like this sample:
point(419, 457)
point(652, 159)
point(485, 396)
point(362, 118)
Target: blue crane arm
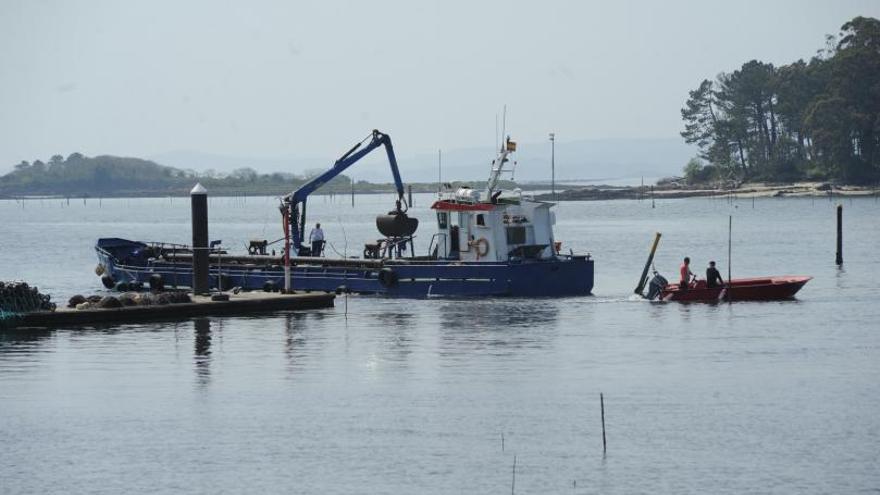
point(295, 202)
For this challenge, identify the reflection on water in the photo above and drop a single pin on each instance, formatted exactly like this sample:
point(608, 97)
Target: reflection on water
point(202, 357)
point(501, 326)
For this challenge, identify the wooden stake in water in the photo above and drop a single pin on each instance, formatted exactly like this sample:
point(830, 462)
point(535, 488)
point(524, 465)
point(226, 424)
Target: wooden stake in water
point(652, 196)
point(839, 257)
point(602, 406)
point(729, 252)
point(513, 481)
point(502, 441)
point(352, 193)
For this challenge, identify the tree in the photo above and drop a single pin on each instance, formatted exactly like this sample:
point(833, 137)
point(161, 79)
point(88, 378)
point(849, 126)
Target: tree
point(807, 119)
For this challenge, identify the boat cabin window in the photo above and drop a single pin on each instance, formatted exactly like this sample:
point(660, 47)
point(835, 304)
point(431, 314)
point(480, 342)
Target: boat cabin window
point(516, 235)
point(442, 220)
point(481, 220)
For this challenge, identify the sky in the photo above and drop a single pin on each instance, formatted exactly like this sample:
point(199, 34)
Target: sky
point(297, 78)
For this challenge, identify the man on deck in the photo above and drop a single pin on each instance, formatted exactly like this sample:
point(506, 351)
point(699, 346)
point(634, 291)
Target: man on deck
point(685, 274)
point(713, 278)
point(316, 237)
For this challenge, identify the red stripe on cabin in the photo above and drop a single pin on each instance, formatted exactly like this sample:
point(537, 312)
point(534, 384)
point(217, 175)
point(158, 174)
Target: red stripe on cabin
point(449, 206)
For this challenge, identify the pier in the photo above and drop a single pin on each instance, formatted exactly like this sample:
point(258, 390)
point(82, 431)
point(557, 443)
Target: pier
point(245, 303)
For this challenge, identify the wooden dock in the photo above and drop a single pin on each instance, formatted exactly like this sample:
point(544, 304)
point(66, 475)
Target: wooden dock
point(245, 303)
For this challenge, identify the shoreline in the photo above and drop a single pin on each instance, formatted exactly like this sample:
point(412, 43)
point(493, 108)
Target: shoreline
point(747, 190)
point(583, 193)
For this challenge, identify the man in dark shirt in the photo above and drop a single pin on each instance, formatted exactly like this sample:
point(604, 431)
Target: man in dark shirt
point(713, 278)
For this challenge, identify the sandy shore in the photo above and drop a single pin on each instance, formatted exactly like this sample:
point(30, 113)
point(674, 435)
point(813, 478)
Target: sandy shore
point(747, 190)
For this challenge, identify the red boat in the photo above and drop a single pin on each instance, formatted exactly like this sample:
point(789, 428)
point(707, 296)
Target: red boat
point(741, 289)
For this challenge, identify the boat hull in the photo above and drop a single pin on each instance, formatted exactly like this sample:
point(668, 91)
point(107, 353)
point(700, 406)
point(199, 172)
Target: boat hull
point(744, 289)
point(126, 261)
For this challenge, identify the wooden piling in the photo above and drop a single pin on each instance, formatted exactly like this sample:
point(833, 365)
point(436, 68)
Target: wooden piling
point(409, 195)
point(513, 480)
point(200, 266)
point(602, 406)
point(652, 196)
point(839, 256)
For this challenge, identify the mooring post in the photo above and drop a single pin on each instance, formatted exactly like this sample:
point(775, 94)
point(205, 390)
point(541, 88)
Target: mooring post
point(352, 193)
point(839, 257)
point(602, 406)
point(652, 196)
point(409, 195)
point(199, 204)
point(513, 480)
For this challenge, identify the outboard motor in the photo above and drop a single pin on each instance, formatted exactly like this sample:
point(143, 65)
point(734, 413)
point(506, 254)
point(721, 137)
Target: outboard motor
point(656, 285)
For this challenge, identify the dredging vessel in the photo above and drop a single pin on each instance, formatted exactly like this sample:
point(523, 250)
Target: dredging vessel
point(487, 243)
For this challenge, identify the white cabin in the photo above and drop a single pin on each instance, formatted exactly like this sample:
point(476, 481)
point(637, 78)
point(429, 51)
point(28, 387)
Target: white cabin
point(498, 227)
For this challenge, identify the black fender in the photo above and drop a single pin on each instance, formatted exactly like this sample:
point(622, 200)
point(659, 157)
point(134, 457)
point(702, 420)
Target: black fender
point(388, 277)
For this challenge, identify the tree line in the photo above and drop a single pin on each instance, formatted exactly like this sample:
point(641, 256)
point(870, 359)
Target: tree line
point(815, 120)
point(114, 176)
point(107, 176)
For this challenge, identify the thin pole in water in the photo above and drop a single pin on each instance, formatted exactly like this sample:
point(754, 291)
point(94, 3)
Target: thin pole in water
point(502, 441)
point(352, 192)
point(652, 196)
point(513, 481)
point(602, 406)
point(839, 257)
point(729, 252)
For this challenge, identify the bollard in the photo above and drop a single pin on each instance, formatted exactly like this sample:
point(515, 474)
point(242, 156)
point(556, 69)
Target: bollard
point(839, 257)
point(199, 202)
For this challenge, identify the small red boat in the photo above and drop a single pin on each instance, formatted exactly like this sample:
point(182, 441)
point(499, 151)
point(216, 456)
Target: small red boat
point(741, 289)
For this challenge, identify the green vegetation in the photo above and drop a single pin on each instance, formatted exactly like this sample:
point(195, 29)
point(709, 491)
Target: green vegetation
point(816, 120)
point(112, 176)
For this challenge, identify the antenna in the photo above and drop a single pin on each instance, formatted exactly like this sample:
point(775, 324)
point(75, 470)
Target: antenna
point(439, 172)
point(497, 145)
point(504, 124)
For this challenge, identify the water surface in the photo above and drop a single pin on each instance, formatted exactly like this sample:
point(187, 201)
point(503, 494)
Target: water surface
point(402, 396)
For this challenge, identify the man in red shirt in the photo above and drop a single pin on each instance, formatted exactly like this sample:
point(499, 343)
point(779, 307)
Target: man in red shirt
point(685, 274)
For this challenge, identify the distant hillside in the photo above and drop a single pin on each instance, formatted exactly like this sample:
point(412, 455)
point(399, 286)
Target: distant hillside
point(108, 176)
point(113, 176)
point(589, 159)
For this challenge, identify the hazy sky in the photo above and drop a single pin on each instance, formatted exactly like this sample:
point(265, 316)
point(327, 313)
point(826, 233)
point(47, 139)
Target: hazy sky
point(269, 79)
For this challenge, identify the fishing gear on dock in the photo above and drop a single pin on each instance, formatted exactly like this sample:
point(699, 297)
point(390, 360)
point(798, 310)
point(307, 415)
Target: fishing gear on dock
point(19, 297)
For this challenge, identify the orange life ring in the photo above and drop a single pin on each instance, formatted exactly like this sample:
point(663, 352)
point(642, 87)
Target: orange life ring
point(482, 246)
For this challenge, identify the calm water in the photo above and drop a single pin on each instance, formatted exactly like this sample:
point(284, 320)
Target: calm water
point(400, 396)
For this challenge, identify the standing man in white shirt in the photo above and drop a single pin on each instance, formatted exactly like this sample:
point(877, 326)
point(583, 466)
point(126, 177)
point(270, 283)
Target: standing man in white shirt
point(316, 237)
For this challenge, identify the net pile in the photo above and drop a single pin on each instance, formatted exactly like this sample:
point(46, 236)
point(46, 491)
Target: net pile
point(19, 297)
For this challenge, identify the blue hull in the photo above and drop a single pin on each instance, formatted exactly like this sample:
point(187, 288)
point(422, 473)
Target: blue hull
point(561, 276)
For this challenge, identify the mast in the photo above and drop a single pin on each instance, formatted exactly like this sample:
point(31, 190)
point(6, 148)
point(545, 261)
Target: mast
point(498, 165)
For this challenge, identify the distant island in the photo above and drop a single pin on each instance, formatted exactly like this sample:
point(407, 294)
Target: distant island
point(805, 121)
point(108, 176)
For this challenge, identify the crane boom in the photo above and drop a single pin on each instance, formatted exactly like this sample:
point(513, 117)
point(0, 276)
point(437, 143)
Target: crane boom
point(294, 204)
